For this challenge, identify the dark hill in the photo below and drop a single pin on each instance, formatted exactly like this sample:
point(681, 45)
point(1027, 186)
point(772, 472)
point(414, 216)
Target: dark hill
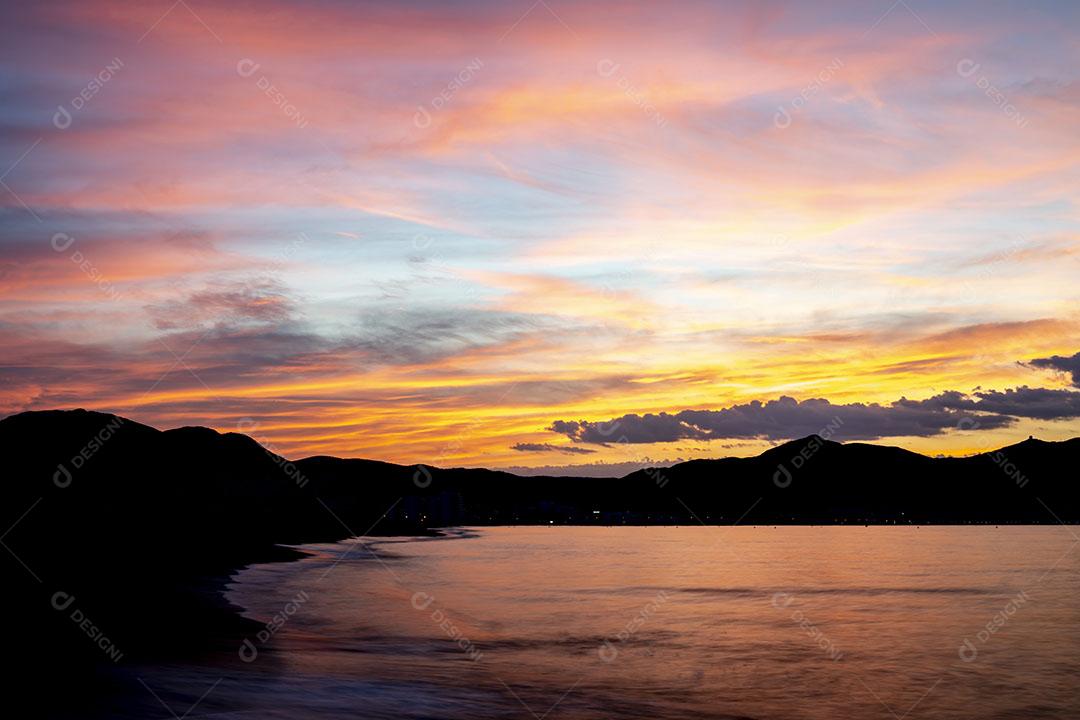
point(141, 525)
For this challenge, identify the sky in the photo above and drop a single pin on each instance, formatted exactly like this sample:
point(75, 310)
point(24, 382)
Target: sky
point(553, 236)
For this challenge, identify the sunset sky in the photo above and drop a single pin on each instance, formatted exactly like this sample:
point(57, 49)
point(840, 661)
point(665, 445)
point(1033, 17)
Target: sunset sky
point(477, 233)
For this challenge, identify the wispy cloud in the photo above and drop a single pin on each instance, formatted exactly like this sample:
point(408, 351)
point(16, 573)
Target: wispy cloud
point(548, 447)
point(1067, 365)
point(540, 246)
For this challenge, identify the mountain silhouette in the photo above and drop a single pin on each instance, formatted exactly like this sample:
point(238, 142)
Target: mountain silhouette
point(141, 526)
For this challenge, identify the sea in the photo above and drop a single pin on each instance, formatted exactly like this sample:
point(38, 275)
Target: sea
point(543, 623)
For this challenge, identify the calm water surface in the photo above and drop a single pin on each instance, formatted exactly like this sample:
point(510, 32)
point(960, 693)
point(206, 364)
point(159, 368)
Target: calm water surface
point(744, 622)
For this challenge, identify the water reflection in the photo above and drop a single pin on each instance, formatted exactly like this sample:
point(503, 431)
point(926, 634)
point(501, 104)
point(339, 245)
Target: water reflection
point(669, 623)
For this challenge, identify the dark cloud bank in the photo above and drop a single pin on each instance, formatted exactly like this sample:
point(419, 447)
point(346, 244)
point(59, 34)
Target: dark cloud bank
point(1070, 365)
point(787, 418)
point(545, 447)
